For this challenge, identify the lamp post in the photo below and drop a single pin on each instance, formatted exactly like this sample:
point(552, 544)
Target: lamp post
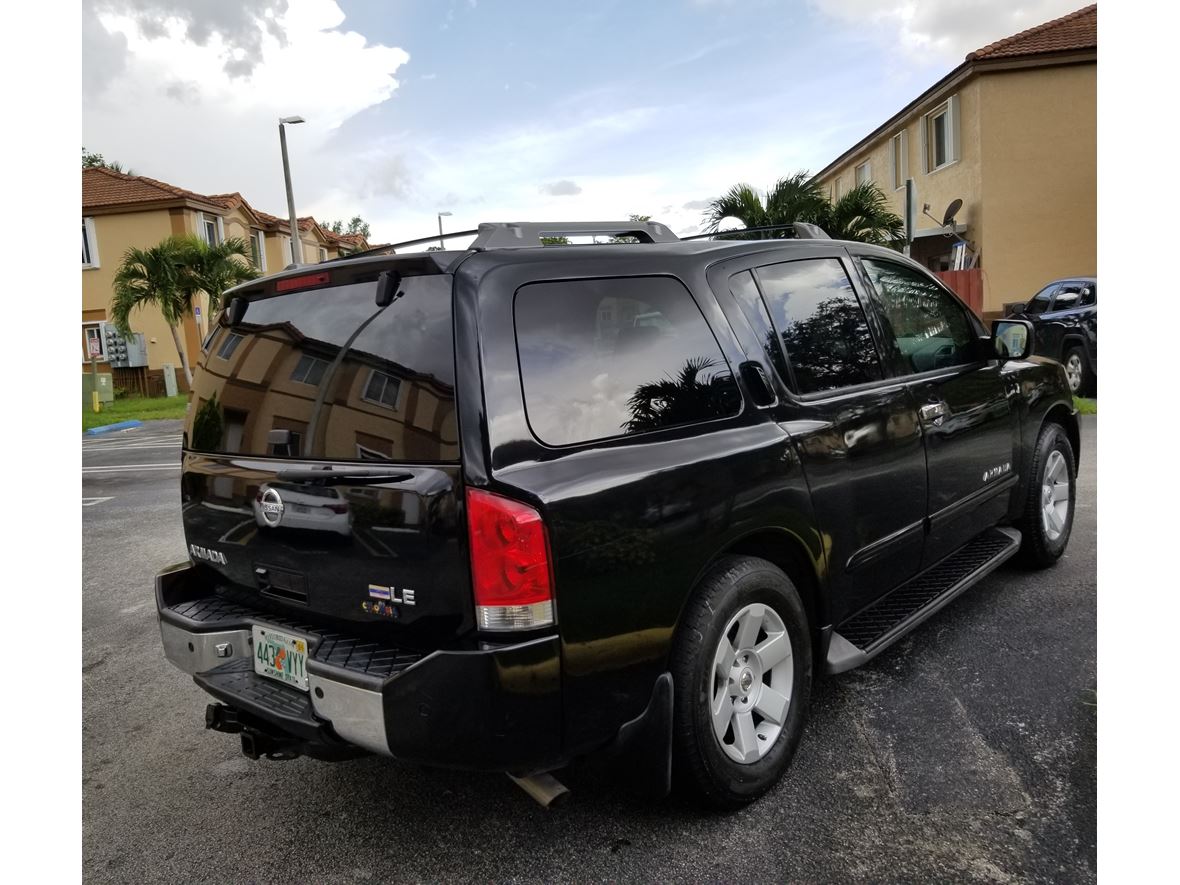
point(441, 244)
point(296, 258)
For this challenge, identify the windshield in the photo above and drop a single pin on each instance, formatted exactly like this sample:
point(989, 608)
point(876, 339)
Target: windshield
point(327, 374)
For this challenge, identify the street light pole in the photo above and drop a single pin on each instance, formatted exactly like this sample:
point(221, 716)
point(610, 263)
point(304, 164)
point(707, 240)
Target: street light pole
point(441, 244)
point(296, 258)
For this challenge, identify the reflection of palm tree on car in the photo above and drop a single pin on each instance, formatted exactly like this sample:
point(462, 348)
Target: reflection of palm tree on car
point(687, 398)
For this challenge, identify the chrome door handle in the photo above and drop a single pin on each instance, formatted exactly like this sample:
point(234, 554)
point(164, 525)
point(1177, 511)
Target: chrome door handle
point(932, 413)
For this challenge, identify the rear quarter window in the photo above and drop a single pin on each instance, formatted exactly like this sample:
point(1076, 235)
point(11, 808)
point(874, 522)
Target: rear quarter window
point(616, 357)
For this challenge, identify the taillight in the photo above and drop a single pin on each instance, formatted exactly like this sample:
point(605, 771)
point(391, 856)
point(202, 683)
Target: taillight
point(510, 569)
point(338, 508)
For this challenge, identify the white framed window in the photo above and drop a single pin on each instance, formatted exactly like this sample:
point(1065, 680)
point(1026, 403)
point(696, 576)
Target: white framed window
point(863, 174)
point(89, 244)
point(323, 254)
point(210, 228)
point(382, 389)
point(92, 332)
point(940, 136)
point(258, 249)
point(837, 189)
point(899, 156)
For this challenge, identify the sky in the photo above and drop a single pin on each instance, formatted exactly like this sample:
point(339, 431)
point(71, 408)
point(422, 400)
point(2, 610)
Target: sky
point(509, 110)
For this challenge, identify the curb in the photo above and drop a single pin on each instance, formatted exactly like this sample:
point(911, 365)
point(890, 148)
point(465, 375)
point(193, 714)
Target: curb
point(108, 428)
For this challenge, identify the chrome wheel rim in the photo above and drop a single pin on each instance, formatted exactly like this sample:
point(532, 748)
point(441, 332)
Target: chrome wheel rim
point(1055, 495)
point(1073, 371)
point(752, 676)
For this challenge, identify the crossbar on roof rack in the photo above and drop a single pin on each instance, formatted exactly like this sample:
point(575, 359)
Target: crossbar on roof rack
point(521, 234)
point(801, 229)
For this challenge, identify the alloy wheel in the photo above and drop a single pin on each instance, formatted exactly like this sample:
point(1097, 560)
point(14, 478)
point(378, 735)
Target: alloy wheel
point(753, 673)
point(1055, 495)
point(1073, 371)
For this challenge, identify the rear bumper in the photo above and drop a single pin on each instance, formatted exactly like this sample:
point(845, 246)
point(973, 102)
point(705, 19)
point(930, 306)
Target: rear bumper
point(494, 708)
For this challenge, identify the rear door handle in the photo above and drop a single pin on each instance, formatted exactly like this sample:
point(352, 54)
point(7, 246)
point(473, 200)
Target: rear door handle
point(932, 413)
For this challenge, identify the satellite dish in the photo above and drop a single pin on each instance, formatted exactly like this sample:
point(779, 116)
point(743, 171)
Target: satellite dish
point(952, 210)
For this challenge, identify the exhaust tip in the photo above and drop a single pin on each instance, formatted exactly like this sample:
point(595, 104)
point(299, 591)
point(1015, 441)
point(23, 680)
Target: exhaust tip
point(544, 788)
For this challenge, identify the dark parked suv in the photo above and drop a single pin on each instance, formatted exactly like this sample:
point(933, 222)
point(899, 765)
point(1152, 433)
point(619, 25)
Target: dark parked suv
point(503, 507)
point(1064, 315)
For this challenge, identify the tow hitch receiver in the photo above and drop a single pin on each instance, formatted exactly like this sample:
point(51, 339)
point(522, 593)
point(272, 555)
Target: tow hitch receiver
point(256, 743)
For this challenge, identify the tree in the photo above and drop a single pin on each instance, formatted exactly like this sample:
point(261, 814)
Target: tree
point(356, 225)
point(213, 269)
point(555, 241)
point(794, 198)
point(862, 214)
point(152, 277)
point(169, 276)
point(91, 160)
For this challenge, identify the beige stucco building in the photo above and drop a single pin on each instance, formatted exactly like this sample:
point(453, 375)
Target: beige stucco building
point(1012, 132)
point(122, 211)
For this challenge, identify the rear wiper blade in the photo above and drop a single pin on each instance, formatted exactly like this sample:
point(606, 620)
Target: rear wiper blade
point(355, 475)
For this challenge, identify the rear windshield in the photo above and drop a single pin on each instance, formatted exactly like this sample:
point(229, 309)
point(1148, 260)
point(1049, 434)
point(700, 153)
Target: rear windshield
point(326, 373)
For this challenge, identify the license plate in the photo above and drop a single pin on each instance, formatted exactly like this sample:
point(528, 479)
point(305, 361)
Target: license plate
point(281, 657)
point(300, 508)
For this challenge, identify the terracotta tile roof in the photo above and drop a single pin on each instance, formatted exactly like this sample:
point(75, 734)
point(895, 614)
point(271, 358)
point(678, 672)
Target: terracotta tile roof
point(105, 187)
point(1078, 30)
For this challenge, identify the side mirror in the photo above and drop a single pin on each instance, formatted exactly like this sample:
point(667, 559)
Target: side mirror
point(1012, 339)
point(1015, 309)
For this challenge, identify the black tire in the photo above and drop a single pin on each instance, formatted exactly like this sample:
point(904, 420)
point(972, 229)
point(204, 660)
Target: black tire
point(1088, 384)
point(1037, 549)
point(700, 764)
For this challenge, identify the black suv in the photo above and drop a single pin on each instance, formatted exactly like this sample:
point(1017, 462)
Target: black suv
point(1064, 315)
point(502, 507)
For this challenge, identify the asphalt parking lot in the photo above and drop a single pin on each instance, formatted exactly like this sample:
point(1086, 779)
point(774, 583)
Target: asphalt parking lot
point(967, 752)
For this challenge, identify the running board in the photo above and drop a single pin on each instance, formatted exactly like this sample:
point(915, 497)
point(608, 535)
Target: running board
point(873, 629)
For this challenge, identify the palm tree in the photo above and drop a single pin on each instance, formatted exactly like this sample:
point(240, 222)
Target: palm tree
point(213, 269)
point(794, 198)
point(862, 214)
point(153, 277)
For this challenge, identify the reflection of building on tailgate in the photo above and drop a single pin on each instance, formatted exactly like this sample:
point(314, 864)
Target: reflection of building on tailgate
point(275, 379)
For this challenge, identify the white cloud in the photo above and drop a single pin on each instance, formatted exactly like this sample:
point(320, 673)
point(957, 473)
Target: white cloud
point(943, 31)
point(170, 109)
point(563, 188)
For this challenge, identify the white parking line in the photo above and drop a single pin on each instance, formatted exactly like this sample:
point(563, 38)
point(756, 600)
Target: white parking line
point(90, 502)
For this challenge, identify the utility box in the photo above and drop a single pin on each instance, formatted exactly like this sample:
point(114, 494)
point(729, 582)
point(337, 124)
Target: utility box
point(121, 352)
point(169, 379)
point(106, 388)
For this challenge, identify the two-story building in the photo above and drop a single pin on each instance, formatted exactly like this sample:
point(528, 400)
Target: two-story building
point(1012, 132)
point(123, 211)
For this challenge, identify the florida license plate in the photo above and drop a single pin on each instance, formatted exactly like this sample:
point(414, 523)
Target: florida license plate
point(281, 657)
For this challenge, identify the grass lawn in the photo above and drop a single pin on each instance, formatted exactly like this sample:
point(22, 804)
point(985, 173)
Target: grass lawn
point(135, 407)
point(1086, 406)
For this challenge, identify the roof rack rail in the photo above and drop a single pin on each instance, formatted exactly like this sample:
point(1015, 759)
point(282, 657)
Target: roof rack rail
point(802, 230)
point(521, 234)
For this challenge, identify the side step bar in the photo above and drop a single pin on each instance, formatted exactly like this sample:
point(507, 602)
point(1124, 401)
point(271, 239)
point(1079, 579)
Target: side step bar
point(876, 627)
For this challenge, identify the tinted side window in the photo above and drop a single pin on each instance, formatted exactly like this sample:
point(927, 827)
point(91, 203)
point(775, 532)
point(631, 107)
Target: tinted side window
point(1040, 302)
point(821, 323)
point(745, 293)
point(930, 327)
point(604, 358)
